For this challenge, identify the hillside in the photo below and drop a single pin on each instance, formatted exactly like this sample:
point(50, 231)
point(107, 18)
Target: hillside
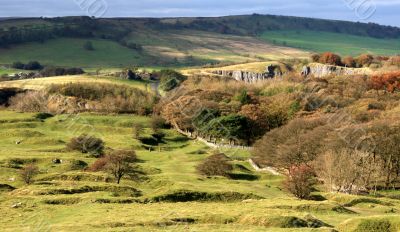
point(343, 44)
point(166, 48)
point(238, 123)
point(178, 42)
point(166, 194)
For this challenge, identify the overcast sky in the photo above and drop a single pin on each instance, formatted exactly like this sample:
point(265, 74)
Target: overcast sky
point(379, 11)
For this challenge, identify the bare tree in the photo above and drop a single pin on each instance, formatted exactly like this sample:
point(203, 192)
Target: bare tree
point(297, 143)
point(347, 170)
point(119, 163)
point(28, 172)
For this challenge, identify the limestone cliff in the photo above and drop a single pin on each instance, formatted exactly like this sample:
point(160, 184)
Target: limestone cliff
point(322, 70)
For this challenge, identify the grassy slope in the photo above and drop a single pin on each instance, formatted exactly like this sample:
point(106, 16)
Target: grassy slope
point(167, 171)
point(327, 41)
point(39, 83)
point(172, 48)
point(70, 52)
point(209, 46)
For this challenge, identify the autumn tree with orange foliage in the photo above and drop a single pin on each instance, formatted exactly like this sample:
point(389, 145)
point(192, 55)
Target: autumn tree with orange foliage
point(330, 58)
point(389, 82)
point(364, 60)
point(349, 61)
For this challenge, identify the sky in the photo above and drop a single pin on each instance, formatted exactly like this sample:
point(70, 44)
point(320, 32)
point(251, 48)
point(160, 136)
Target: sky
point(379, 11)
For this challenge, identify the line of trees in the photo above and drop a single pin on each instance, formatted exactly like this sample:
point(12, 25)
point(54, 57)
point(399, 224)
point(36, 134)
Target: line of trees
point(364, 60)
point(350, 160)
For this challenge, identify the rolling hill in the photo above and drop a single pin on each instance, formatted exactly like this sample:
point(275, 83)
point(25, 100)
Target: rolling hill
point(182, 42)
point(343, 44)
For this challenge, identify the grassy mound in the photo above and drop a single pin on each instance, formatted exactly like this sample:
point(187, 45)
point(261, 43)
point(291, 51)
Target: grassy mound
point(121, 190)
point(6, 188)
point(187, 195)
point(372, 224)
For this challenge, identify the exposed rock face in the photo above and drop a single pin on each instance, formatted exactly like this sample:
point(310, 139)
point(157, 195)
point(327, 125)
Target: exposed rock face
point(251, 77)
point(23, 76)
point(322, 70)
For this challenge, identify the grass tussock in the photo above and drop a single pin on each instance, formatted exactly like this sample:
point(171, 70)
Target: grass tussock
point(62, 201)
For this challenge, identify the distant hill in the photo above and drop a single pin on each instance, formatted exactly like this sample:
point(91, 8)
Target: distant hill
point(179, 41)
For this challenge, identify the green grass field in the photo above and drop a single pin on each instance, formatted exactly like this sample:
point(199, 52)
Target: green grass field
point(335, 42)
point(93, 205)
point(70, 52)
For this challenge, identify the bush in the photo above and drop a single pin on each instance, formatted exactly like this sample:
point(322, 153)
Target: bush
point(18, 65)
point(30, 101)
point(315, 57)
point(87, 144)
point(43, 116)
point(300, 181)
point(389, 82)
point(349, 61)
point(395, 61)
point(376, 106)
point(232, 127)
point(330, 58)
point(77, 165)
point(110, 98)
point(28, 172)
point(243, 97)
point(119, 163)
point(32, 65)
point(215, 165)
point(364, 60)
point(57, 71)
point(18, 163)
point(170, 79)
point(88, 46)
point(98, 165)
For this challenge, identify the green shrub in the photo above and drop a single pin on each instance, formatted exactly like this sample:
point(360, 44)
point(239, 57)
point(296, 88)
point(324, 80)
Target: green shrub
point(169, 84)
point(243, 97)
point(88, 45)
point(215, 165)
point(18, 163)
point(28, 172)
point(376, 106)
point(170, 79)
point(87, 144)
point(43, 116)
point(77, 165)
point(232, 127)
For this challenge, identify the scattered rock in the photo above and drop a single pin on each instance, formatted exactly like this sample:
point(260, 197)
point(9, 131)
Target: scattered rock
point(57, 161)
point(17, 205)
